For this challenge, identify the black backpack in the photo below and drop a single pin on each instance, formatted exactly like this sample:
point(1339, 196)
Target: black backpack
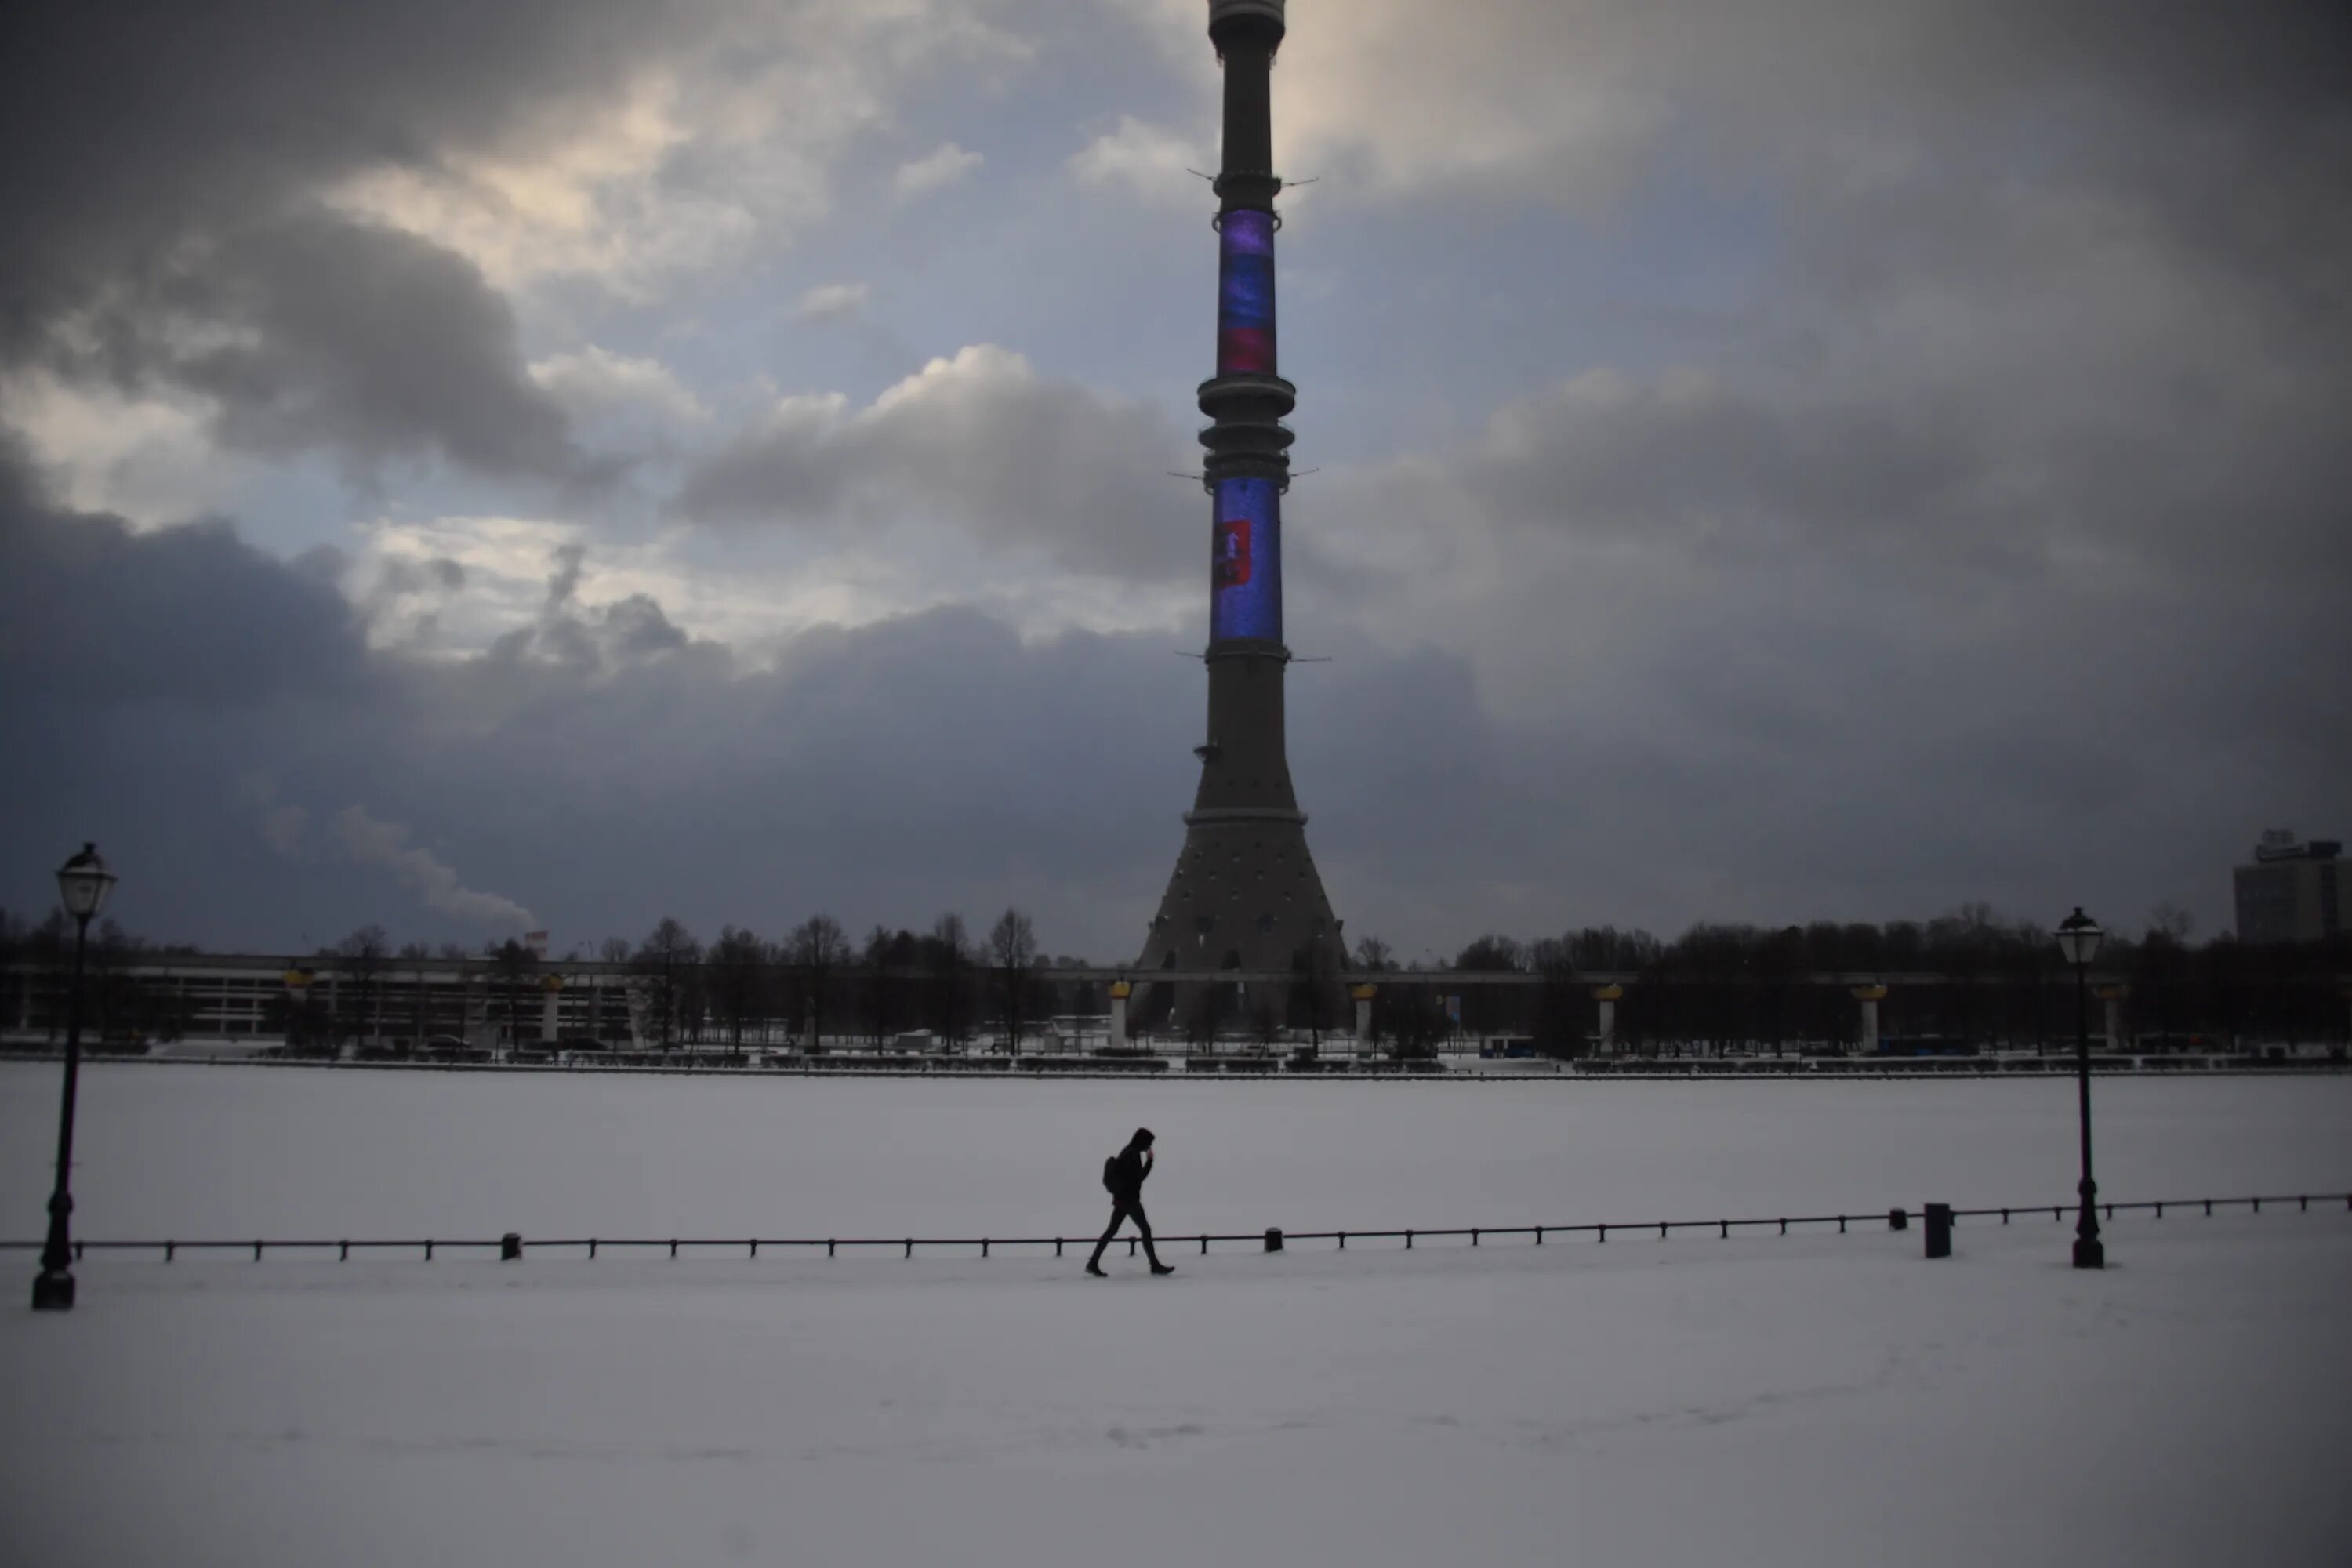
point(1110, 1175)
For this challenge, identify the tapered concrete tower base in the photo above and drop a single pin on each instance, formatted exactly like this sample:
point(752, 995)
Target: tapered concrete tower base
point(1245, 894)
point(1245, 891)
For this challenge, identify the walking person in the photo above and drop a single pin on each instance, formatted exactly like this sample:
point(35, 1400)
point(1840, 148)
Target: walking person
point(1123, 1176)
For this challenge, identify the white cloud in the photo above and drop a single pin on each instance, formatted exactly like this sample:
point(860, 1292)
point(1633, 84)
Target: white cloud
point(145, 456)
point(732, 141)
point(832, 302)
point(594, 381)
point(943, 165)
point(1147, 160)
point(979, 445)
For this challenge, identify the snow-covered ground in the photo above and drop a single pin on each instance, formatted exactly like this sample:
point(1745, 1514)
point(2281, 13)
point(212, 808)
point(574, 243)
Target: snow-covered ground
point(1811, 1400)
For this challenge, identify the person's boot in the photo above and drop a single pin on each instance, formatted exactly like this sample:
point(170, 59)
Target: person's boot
point(1094, 1266)
point(1160, 1268)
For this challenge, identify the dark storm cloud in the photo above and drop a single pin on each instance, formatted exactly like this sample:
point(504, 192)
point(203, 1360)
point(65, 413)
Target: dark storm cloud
point(92, 614)
point(364, 341)
point(157, 164)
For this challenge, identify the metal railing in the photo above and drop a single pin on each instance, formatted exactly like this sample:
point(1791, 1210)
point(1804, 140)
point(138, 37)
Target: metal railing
point(514, 1247)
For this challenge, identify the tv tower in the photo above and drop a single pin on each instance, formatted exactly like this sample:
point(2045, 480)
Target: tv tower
point(1244, 894)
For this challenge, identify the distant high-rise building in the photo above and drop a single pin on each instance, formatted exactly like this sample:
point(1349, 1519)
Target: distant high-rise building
point(2293, 891)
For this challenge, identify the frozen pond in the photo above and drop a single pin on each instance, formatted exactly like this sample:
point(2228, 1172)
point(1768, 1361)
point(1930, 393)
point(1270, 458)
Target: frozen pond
point(242, 1152)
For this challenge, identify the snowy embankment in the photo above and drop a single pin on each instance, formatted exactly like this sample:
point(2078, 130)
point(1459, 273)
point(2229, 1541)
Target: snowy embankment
point(1814, 1400)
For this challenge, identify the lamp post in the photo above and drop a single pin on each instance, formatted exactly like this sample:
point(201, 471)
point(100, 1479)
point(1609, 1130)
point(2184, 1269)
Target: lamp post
point(83, 883)
point(2078, 938)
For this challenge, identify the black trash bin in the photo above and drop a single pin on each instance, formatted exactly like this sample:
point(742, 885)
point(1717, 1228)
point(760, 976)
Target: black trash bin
point(1939, 1230)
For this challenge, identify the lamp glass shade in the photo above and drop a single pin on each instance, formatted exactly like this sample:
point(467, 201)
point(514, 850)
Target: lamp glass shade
point(2079, 937)
point(83, 883)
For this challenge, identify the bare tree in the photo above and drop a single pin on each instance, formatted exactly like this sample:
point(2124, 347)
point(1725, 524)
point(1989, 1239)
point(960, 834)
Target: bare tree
point(664, 958)
point(818, 946)
point(1372, 954)
point(1012, 950)
point(414, 956)
point(362, 958)
point(882, 953)
point(515, 965)
point(735, 963)
point(945, 953)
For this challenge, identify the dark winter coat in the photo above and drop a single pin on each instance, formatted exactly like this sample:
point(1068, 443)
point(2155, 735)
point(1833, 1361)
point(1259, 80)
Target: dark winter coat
point(1128, 1168)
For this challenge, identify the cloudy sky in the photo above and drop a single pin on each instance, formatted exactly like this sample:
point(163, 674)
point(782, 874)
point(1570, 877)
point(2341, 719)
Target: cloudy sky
point(567, 462)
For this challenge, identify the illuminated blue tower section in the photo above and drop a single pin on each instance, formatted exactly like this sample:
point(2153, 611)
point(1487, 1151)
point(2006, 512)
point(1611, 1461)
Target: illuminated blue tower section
point(1245, 894)
point(1245, 561)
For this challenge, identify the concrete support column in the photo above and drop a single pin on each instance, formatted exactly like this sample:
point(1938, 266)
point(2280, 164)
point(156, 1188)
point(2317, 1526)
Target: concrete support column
point(1870, 996)
point(554, 987)
point(1608, 996)
point(1363, 997)
point(1120, 991)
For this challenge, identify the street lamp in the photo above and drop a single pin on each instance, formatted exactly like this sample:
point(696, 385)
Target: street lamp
point(83, 883)
point(2078, 938)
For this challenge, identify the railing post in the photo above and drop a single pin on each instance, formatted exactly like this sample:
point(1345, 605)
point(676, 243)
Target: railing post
point(755, 1246)
point(428, 1252)
point(169, 1249)
point(1604, 1233)
point(257, 1252)
point(673, 1246)
point(984, 1247)
point(1474, 1236)
point(1727, 1229)
point(1539, 1230)
point(1408, 1241)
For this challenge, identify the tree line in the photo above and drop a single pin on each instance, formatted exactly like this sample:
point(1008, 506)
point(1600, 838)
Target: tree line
point(2003, 983)
point(1716, 986)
